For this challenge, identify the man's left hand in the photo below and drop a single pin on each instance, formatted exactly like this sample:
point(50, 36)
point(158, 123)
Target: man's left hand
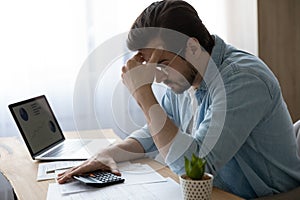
point(138, 73)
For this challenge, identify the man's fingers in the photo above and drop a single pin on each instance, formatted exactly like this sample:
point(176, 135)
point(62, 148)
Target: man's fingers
point(64, 177)
point(67, 175)
point(156, 54)
point(139, 58)
point(114, 169)
point(107, 164)
point(63, 174)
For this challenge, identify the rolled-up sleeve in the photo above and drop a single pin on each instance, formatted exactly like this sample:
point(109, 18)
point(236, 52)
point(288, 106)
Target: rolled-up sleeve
point(183, 145)
point(143, 136)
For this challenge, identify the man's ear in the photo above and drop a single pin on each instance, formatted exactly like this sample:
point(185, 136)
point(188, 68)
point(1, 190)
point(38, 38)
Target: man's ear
point(196, 55)
point(193, 47)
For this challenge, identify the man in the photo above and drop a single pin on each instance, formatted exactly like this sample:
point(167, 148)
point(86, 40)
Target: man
point(222, 104)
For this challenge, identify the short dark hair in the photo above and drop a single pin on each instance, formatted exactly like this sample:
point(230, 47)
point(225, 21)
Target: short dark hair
point(173, 15)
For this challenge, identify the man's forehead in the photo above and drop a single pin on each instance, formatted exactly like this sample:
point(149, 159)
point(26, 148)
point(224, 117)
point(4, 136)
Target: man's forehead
point(147, 53)
point(155, 43)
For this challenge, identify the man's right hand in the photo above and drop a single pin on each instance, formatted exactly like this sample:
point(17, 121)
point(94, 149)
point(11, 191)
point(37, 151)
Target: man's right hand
point(97, 162)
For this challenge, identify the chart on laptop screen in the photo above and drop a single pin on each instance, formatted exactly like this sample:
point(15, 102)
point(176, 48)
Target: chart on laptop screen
point(38, 123)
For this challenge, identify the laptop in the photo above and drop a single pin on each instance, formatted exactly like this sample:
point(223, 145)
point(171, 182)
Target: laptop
point(43, 136)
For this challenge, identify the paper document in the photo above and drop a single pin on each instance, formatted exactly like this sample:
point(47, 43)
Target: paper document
point(47, 170)
point(133, 173)
point(168, 189)
point(136, 173)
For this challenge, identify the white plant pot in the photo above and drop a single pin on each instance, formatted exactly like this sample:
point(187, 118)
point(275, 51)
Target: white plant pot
point(196, 189)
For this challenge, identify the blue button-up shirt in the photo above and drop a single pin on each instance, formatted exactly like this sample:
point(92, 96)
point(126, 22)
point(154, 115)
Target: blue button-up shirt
point(242, 126)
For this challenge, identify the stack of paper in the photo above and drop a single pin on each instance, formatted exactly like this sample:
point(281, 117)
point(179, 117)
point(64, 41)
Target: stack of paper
point(141, 182)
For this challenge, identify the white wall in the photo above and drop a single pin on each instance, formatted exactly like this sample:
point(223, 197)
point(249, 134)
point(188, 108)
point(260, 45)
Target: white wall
point(45, 43)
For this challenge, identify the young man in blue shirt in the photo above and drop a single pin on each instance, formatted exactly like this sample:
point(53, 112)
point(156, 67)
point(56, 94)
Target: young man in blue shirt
point(222, 104)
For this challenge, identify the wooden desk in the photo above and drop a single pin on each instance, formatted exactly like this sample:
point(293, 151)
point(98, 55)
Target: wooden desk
point(17, 165)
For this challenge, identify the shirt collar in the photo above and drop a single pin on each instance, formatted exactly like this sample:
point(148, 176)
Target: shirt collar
point(214, 64)
point(218, 51)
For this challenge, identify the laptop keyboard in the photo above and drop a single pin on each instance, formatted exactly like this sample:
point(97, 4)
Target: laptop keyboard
point(68, 147)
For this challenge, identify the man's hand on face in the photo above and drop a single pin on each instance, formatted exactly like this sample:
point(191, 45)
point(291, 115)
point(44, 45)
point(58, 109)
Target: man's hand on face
point(138, 73)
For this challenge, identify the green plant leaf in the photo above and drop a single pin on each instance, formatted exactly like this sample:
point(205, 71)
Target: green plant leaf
point(195, 168)
point(187, 165)
point(194, 159)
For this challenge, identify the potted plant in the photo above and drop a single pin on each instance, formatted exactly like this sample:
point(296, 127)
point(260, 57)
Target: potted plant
point(196, 183)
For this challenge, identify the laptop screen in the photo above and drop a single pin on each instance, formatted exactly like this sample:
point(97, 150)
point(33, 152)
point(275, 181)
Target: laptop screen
point(36, 123)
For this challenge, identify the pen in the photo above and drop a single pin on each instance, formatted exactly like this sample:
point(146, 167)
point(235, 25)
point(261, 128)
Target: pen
point(53, 170)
